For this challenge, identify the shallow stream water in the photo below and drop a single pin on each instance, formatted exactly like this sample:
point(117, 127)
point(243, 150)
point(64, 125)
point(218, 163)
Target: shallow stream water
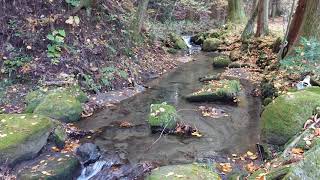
point(235, 133)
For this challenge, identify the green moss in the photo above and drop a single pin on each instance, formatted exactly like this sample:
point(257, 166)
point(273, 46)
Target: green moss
point(19, 131)
point(59, 135)
point(56, 167)
point(211, 44)
point(162, 115)
point(285, 117)
point(60, 106)
point(180, 172)
point(221, 61)
point(178, 42)
point(33, 99)
point(224, 90)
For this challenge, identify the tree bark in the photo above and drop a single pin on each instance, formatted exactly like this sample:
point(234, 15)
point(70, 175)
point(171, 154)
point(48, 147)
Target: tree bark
point(248, 30)
point(142, 8)
point(305, 23)
point(263, 17)
point(236, 13)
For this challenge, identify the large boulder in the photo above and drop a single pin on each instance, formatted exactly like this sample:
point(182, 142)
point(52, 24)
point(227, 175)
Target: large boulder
point(183, 172)
point(211, 44)
point(88, 153)
point(51, 167)
point(286, 115)
point(223, 90)
point(163, 116)
point(22, 136)
point(62, 104)
point(308, 168)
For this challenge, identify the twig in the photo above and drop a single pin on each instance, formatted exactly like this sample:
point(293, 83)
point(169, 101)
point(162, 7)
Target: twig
point(164, 128)
point(296, 140)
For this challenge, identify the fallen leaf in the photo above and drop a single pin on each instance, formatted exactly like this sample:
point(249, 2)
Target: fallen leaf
point(317, 132)
point(170, 174)
point(196, 133)
point(251, 167)
point(298, 151)
point(225, 167)
point(46, 173)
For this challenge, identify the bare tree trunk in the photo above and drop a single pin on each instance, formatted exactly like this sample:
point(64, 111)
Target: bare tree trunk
point(236, 11)
point(142, 8)
point(262, 24)
point(248, 30)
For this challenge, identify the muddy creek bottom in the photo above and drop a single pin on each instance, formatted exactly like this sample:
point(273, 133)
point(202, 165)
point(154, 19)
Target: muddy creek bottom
point(235, 133)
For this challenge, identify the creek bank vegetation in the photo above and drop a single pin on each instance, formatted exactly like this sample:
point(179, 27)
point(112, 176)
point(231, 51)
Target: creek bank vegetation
point(54, 57)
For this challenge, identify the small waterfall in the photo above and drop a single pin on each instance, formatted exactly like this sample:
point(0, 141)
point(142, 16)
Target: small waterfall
point(89, 171)
point(191, 47)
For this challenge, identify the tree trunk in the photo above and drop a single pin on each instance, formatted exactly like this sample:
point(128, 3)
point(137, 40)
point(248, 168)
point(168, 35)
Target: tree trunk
point(262, 24)
point(236, 13)
point(305, 22)
point(248, 30)
point(142, 8)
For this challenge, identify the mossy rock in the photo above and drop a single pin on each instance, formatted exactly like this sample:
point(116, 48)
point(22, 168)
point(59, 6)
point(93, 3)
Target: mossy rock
point(199, 38)
point(211, 44)
point(308, 168)
point(177, 42)
point(52, 167)
point(210, 77)
point(239, 65)
point(224, 90)
point(183, 172)
point(221, 61)
point(60, 106)
point(33, 99)
point(59, 135)
point(286, 116)
point(162, 115)
point(22, 136)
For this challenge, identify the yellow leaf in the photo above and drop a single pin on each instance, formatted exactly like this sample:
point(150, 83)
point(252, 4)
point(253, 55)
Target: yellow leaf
point(170, 174)
point(196, 133)
point(225, 167)
point(297, 151)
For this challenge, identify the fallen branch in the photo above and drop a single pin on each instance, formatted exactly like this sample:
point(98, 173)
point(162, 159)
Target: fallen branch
point(293, 143)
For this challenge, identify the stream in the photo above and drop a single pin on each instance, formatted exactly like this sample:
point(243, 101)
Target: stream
point(236, 133)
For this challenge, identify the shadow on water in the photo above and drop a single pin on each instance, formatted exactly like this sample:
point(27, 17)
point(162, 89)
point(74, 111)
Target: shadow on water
point(235, 133)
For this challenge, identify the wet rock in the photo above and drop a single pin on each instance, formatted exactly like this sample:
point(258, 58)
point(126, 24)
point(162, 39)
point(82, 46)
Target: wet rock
point(224, 90)
point(221, 61)
point(210, 77)
point(211, 44)
point(162, 115)
point(22, 136)
point(181, 172)
point(54, 167)
point(88, 153)
point(62, 104)
point(286, 116)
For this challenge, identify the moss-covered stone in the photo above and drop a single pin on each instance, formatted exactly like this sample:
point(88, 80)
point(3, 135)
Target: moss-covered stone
point(22, 136)
point(210, 77)
point(33, 99)
point(59, 135)
point(61, 106)
point(199, 38)
point(52, 167)
point(308, 168)
point(285, 117)
point(239, 65)
point(162, 115)
point(224, 90)
point(211, 44)
point(183, 172)
point(221, 61)
point(177, 41)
